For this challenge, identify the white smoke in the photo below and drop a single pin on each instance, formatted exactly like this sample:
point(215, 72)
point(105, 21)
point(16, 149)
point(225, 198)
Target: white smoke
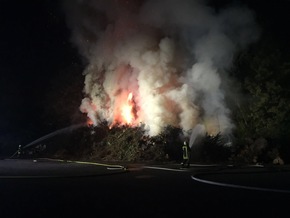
point(171, 55)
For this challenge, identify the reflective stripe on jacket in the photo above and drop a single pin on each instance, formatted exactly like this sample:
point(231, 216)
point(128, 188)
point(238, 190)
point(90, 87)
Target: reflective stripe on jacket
point(185, 152)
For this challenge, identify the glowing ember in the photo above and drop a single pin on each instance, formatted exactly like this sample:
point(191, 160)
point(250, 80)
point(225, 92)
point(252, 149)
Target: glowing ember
point(90, 122)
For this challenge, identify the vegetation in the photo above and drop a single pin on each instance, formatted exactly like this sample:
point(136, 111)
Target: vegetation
point(127, 144)
point(212, 149)
point(103, 144)
point(263, 72)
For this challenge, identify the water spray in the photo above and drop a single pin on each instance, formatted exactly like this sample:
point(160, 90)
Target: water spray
point(52, 134)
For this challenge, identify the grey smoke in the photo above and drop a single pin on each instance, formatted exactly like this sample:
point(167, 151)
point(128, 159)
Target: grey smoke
point(172, 55)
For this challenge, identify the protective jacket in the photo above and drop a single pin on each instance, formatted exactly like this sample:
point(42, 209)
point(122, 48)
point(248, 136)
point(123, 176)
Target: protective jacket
point(185, 151)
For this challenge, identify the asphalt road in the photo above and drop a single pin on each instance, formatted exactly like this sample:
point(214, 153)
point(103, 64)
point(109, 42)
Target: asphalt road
point(46, 188)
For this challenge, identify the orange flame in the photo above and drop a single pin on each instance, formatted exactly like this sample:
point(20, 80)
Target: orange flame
point(127, 110)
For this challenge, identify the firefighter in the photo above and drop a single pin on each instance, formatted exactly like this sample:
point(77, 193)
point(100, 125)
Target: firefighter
point(19, 151)
point(185, 155)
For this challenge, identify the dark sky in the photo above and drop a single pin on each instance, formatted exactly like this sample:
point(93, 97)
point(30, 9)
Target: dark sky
point(35, 47)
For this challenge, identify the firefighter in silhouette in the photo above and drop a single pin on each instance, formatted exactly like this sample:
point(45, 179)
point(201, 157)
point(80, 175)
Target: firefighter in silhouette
point(185, 155)
point(19, 151)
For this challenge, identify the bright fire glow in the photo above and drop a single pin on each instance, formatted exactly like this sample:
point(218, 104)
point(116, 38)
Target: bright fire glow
point(127, 110)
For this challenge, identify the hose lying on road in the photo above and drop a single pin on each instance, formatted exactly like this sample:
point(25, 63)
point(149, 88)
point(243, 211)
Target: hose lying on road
point(110, 167)
point(238, 186)
point(85, 162)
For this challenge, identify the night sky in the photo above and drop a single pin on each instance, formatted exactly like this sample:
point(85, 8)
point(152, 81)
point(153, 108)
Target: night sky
point(29, 46)
point(35, 49)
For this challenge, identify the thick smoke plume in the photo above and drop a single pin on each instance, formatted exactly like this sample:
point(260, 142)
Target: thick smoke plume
point(158, 62)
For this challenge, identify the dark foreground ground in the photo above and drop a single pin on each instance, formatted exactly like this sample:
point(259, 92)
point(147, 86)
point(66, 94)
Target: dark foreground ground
point(47, 188)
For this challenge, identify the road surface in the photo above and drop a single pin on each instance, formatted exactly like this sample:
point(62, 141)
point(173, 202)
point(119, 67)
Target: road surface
point(49, 188)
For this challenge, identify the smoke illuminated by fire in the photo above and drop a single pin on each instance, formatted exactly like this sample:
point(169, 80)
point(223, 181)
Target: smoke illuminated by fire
point(158, 62)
